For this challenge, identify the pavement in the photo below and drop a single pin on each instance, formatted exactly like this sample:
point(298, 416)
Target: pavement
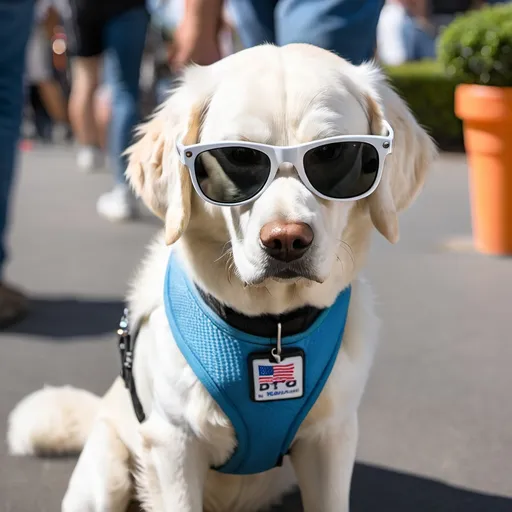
point(436, 418)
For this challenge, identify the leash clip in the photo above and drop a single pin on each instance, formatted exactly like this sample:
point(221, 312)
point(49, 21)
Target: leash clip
point(276, 351)
point(125, 348)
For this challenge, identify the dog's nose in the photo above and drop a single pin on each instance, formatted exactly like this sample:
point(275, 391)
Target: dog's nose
point(286, 241)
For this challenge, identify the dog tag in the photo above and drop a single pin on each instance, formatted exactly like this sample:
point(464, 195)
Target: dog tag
point(271, 380)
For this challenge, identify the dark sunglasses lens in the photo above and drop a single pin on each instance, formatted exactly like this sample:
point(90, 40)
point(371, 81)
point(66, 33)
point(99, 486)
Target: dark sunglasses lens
point(342, 170)
point(231, 174)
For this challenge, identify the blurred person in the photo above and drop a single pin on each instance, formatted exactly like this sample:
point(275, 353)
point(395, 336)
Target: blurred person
point(117, 30)
point(165, 19)
point(404, 32)
point(40, 71)
point(16, 17)
point(347, 27)
point(408, 29)
point(102, 101)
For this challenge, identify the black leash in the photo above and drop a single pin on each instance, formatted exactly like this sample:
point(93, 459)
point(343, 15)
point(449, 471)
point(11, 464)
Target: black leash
point(126, 345)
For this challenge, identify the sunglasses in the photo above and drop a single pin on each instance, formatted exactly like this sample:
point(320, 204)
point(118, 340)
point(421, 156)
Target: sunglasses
point(342, 168)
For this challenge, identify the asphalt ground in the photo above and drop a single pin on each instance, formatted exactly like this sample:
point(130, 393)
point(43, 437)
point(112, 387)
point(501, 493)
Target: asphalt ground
point(436, 418)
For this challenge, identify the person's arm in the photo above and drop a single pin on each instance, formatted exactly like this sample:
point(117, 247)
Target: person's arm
point(205, 15)
point(197, 36)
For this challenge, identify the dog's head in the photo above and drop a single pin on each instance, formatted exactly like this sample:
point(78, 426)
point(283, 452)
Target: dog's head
point(288, 237)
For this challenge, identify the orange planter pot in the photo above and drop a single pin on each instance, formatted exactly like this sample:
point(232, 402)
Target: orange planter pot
point(486, 113)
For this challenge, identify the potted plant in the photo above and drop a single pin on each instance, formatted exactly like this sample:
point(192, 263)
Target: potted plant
point(476, 50)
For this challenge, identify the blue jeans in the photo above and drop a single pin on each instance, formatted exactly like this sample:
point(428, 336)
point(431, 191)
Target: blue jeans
point(417, 43)
point(347, 27)
point(16, 20)
point(125, 38)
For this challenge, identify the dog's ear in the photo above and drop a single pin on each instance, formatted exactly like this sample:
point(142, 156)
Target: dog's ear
point(154, 170)
point(406, 168)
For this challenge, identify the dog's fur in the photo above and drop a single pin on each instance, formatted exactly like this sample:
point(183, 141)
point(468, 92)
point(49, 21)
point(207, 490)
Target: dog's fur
point(281, 96)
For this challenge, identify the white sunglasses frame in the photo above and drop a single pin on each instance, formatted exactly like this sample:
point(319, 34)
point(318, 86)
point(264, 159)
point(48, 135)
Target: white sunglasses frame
point(287, 154)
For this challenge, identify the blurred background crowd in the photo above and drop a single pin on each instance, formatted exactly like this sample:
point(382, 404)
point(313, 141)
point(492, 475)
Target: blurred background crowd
point(407, 31)
point(93, 69)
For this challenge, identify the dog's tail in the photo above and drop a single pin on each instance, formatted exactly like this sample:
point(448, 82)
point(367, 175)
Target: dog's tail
point(52, 421)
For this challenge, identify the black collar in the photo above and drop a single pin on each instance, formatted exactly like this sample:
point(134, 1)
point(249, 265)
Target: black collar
point(265, 326)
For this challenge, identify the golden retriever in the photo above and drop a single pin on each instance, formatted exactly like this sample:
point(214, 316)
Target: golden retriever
point(279, 97)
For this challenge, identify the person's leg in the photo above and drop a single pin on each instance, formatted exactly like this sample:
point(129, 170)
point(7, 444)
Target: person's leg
point(125, 54)
point(16, 18)
point(84, 30)
point(42, 120)
point(54, 100)
point(103, 103)
point(254, 20)
point(102, 113)
point(424, 43)
point(40, 69)
point(15, 25)
point(125, 37)
point(347, 27)
point(84, 72)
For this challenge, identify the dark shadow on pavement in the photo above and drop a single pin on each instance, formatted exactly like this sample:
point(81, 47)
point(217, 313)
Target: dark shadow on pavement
point(62, 318)
point(382, 489)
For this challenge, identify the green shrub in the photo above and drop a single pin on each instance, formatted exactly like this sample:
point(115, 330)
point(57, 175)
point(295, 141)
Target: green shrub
point(476, 48)
point(429, 92)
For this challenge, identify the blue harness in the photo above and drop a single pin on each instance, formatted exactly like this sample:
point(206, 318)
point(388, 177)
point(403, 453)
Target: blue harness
point(266, 402)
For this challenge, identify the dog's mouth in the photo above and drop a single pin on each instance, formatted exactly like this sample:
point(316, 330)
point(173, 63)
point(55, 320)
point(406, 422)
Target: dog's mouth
point(288, 272)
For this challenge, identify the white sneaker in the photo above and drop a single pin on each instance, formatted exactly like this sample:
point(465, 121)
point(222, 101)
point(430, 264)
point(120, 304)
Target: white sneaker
point(89, 158)
point(117, 205)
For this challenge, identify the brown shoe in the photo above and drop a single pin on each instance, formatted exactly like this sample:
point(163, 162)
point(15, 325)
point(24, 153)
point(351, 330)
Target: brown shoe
point(13, 306)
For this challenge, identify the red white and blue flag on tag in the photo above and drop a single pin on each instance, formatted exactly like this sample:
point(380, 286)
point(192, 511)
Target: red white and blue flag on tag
point(277, 381)
point(276, 373)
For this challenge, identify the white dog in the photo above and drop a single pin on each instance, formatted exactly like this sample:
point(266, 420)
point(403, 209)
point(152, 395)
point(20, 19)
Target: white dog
point(286, 250)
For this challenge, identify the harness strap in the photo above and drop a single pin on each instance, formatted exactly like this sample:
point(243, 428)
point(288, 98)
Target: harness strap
point(229, 362)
